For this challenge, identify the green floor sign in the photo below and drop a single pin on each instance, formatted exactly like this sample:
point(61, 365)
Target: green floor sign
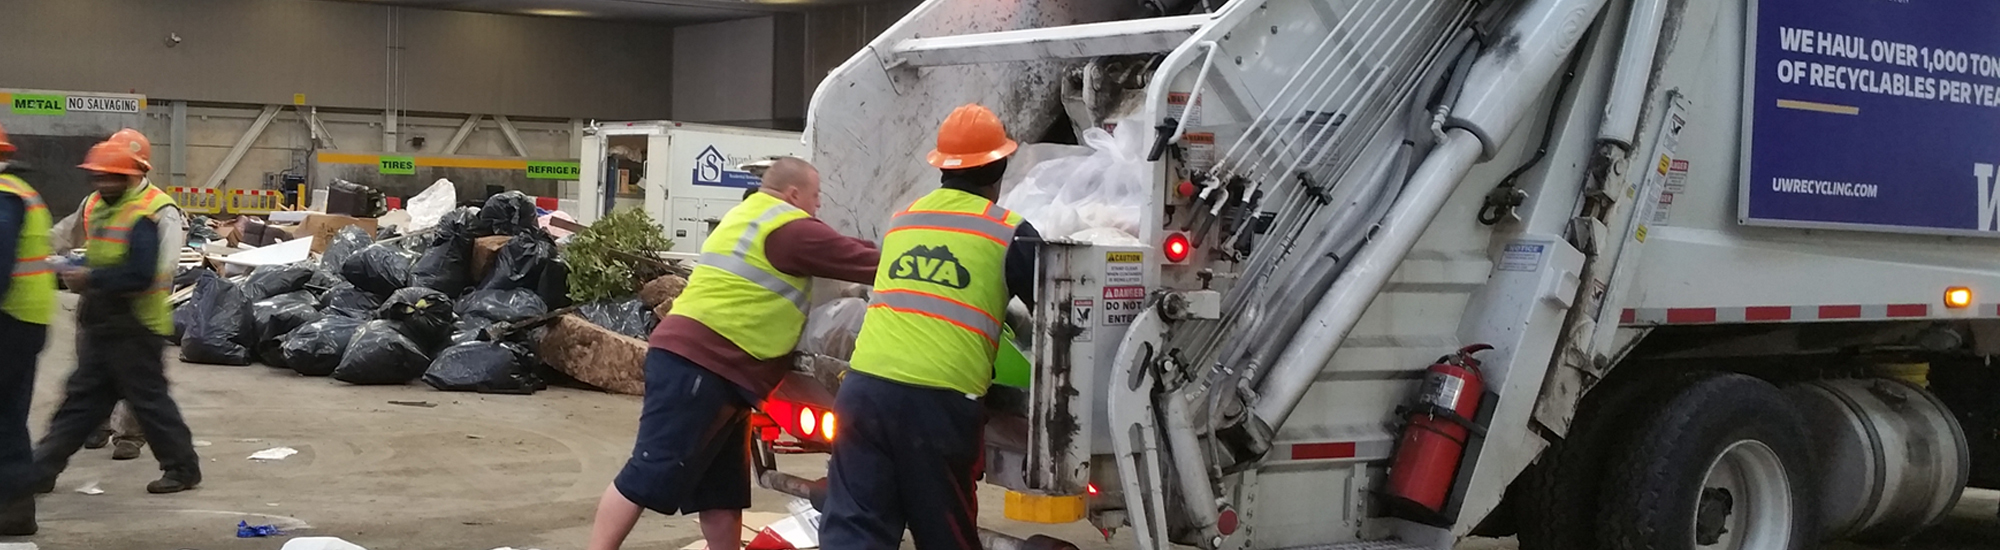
point(36, 104)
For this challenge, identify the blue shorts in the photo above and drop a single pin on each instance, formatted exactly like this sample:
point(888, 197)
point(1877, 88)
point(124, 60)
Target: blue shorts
point(693, 450)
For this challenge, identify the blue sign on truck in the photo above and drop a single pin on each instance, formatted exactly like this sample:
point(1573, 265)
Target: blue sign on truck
point(1878, 115)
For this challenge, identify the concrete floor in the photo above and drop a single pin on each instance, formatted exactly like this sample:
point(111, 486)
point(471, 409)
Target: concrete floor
point(409, 468)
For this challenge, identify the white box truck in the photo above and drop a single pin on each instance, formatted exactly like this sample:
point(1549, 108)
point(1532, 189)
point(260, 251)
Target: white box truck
point(1677, 257)
point(684, 175)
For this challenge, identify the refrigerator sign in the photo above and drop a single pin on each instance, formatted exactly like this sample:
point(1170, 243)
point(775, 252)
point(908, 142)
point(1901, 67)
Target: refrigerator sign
point(1872, 115)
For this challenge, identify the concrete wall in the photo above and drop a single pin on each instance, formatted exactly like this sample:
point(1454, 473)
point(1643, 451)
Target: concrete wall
point(339, 55)
point(762, 72)
point(286, 143)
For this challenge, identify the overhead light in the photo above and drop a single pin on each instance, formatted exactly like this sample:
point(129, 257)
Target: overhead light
point(556, 13)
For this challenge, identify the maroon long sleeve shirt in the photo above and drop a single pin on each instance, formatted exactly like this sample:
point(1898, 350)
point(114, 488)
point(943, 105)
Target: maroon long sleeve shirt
point(808, 248)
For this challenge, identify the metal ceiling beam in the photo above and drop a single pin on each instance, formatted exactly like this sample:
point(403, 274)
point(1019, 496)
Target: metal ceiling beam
point(242, 146)
point(464, 131)
point(513, 136)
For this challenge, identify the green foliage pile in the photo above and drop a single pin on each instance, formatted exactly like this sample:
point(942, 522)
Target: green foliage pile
point(605, 260)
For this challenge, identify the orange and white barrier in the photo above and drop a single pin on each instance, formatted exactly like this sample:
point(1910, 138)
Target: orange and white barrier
point(255, 201)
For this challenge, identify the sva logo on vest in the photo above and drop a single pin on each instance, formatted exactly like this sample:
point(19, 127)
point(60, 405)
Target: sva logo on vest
point(935, 265)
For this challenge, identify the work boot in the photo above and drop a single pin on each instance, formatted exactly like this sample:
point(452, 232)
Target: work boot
point(17, 518)
point(125, 450)
point(173, 483)
point(48, 485)
point(97, 439)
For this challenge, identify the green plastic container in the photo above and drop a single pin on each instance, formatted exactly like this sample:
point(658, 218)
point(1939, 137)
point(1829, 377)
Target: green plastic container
point(1011, 368)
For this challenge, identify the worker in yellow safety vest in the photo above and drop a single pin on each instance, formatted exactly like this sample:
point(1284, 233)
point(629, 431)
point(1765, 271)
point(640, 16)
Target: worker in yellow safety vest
point(122, 432)
point(909, 446)
point(27, 304)
point(122, 318)
point(721, 351)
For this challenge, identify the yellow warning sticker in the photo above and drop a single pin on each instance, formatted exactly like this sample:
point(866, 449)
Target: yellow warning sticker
point(1131, 257)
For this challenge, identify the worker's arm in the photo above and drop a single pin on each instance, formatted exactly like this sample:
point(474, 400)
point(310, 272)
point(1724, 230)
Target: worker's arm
point(142, 255)
point(1020, 266)
point(811, 248)
point(13, 211)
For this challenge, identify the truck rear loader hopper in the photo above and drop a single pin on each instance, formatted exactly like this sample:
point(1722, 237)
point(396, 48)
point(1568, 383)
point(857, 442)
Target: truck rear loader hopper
point(1361, 187)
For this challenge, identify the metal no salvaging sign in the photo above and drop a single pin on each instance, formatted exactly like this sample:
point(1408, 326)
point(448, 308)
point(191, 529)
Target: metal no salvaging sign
point(58, 105)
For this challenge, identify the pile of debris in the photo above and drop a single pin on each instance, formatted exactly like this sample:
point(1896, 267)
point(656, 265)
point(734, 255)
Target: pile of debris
point(479, 301)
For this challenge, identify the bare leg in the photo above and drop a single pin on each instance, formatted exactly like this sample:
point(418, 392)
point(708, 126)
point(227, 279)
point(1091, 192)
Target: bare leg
point(615, 518)
point(723, 529)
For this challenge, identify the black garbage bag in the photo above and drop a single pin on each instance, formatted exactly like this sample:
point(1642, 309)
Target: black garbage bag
point(185, 314)
point(220, 332)
point(554, 285)
point(379, 269)
point(272, 280)
point(188, 277)
point(345, 242)
point(323, 281)
point(501, 306)
point(507, 213)
point(447, 265)
point(483, 367)
point(277, 316)
point(316, 348)
point(628, 317)
point(484, 308)
point(425, 315)
point(520, 262)
point(381, 353)
point(347, 300)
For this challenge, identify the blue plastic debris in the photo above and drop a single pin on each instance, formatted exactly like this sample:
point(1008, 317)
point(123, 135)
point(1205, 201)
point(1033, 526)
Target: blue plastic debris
point(245, 530)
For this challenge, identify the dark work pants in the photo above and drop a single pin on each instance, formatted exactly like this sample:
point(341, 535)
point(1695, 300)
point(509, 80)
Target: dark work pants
point(905, 456)
point(19, 344)
point(117, 358)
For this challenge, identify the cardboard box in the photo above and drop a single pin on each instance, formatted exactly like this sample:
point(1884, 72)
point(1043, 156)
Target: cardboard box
point(321, 228)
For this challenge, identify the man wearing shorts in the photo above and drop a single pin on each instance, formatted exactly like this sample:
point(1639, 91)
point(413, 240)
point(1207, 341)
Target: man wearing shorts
point(723, 349)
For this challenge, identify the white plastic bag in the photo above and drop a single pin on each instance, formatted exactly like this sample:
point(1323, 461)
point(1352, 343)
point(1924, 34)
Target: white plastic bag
point(1096, 198)
point(431, 205)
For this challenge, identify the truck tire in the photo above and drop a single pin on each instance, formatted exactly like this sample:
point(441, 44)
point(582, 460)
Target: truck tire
point(1561, 489)
point(1722, 465)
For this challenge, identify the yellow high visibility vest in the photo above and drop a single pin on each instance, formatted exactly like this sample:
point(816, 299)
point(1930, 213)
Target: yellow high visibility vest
point(735, 291)
point(940, 294)
point(108, 227)
point(31, 297)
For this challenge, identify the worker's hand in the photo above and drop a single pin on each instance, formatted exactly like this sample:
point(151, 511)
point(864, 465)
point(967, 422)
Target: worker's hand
point(76, 279)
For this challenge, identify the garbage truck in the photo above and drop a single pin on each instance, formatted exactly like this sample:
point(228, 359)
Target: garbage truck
point(1593, 273)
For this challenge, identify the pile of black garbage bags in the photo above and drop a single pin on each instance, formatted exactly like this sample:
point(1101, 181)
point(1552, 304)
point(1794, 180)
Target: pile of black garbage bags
point(397, 310)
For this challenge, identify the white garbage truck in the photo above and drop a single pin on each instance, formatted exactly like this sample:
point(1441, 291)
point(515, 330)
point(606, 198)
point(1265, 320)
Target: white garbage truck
point(1600, 273)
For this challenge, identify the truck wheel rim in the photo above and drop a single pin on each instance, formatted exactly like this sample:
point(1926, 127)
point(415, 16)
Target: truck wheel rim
point(1745, 500)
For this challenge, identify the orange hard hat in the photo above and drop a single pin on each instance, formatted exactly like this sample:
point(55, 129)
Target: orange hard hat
point(136, 142)
point(969, 138)
point(5, 146)
point(113, 157)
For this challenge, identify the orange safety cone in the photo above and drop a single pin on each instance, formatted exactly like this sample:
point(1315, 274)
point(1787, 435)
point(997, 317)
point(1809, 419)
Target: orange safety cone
point(768, 539)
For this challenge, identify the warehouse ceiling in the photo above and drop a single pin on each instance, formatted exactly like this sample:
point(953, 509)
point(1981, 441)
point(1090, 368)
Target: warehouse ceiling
point(650, 11)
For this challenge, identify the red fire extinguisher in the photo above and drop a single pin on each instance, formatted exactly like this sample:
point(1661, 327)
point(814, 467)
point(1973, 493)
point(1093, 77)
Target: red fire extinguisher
point(1439, 424)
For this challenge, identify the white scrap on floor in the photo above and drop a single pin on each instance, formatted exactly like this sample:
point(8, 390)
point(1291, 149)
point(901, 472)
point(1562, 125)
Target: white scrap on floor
point(18, 546)
point(274, 453)
point(90, 489)
point(201, 443)
point(320, 543)
point(750, 518)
